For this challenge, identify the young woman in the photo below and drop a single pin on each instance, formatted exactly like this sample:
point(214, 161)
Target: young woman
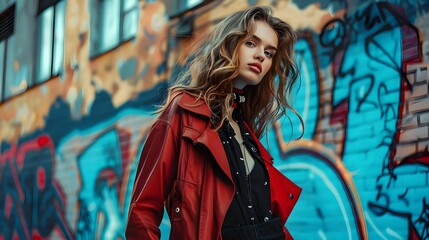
point(202, 159)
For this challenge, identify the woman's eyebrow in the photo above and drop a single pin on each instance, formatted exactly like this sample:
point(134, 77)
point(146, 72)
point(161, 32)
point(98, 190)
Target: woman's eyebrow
point(260, 40)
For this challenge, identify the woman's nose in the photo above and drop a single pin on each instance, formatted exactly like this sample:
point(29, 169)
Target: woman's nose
point(259, 56)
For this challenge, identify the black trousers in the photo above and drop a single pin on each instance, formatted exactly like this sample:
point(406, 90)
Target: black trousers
point(271, 230)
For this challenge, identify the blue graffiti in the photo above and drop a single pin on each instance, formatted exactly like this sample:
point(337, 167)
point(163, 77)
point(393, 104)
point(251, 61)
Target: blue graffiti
point(366, 53)
point(368, 81)
point(308, 88)
point(100, 167)
point(328, 205)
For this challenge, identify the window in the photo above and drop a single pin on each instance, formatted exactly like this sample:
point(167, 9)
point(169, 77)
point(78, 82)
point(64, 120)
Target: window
point(115, 21)
point(177, 7)
point(8, 87)
point(131, 18)
point(50, 39)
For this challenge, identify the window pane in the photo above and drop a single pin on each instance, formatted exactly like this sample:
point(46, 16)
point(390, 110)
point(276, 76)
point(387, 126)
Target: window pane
point(109, 24)
point(59, 38)
point(130, 23)
point(2, 51)
point(15, 81)
point(44, 56)
point(129, 4)
point(174, 7)
point(192, 3)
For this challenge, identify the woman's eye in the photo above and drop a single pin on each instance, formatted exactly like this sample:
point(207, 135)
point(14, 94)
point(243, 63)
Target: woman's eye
point(269, 54)
point(250, 44)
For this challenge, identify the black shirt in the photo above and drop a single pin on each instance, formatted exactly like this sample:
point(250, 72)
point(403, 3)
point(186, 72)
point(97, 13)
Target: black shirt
point(251, 202)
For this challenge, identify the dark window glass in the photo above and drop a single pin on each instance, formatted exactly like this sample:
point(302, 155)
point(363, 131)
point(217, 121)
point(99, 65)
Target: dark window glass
point(9, 83)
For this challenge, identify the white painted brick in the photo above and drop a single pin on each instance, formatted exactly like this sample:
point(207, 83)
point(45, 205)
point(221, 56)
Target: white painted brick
point(337, 148)
point(332, 147)
point(407, 95)
point(418, 72)
point(324, 122)
point(419, 91)
point(411, 76)
point(404, 150)
point(327, 98)
point(328, 136)
point(425, 50)
point(422, 75)
point(414, 134)
point(413, 67)
point(405, 105)
point(419, 105)
point(327, 110)
point(327, 84)
point(339, 132)
point(423, 145)
point(424, 118)
point(410, 121)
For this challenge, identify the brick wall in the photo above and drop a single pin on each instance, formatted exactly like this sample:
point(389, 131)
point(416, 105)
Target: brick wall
point(69, 147)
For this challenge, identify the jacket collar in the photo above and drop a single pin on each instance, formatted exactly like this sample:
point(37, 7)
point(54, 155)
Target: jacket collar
point(194, 105)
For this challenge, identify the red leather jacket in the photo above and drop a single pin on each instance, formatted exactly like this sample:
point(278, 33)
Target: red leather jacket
point(184, 165)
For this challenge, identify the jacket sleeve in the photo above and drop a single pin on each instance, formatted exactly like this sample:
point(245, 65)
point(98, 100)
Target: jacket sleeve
point(155, 175)
point(287, 234)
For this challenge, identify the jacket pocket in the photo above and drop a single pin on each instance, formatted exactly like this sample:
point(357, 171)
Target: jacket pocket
point(190, 134)
point(185, 210)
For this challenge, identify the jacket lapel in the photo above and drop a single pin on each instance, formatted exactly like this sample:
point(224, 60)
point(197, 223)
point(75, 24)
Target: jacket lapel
point(210, 138)
point(201, 132)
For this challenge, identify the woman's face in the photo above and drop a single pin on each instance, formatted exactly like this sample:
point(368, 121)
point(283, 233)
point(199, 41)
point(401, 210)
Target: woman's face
point(256, 55)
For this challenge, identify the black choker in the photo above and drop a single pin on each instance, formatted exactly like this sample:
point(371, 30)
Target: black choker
point(238, 97)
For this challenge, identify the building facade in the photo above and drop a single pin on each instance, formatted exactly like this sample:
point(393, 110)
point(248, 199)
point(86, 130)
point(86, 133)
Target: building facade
point(79, 81)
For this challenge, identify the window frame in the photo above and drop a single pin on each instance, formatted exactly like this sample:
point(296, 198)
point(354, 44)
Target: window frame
point(97, 13)
point(182, 8)
point(8, 32)
point(43, 6)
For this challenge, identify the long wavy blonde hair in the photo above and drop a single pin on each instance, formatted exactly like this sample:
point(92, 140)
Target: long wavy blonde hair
point(215, 64)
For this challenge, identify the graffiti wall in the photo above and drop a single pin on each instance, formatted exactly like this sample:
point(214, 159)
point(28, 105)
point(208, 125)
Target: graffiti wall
point(69, 147)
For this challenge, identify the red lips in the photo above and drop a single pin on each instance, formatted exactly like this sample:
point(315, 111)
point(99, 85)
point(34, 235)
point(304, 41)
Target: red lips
point(258, 66)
